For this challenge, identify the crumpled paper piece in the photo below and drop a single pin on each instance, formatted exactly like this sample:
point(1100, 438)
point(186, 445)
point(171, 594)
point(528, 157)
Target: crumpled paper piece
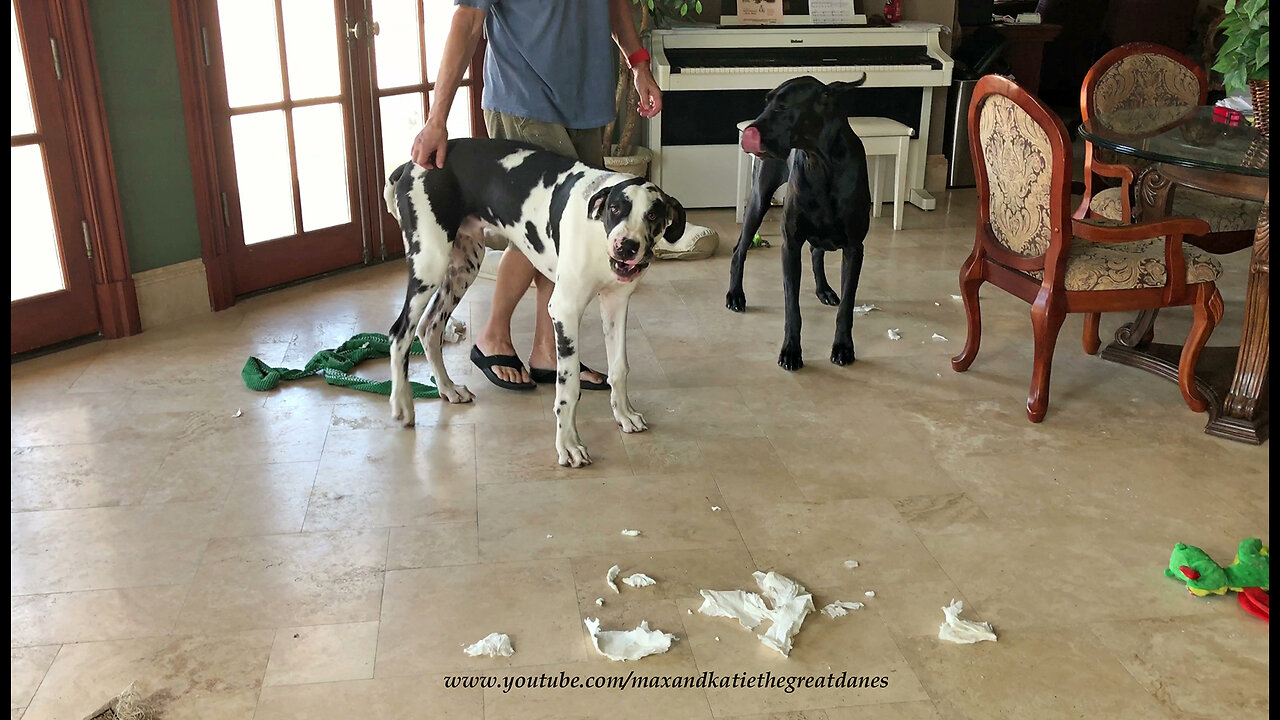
point(454, 330)
point(851, 564)
point(965, 632)
point(791, 604)
point(939, 338)
point(631, 533)
point(629, 645)
point(493, 644)
point(639, 580)
point(609, 576)
point(895, 334)
point(840, 608)
point(859, 309)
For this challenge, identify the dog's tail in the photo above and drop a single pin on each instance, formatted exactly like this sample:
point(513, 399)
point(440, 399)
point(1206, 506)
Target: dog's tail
point(389, 190)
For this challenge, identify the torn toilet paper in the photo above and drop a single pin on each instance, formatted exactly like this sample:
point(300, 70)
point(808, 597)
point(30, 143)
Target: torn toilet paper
point(851, 564)
point(629, 645)
point(870, 593)
point(599, 602)
point(790, 606)
point(965, 632)
point(454, 330)
point(894, 334)
point(840, 608)
point(865, 308)
point(609, 576)
point(631, 533)
point(493, 644)
point(939, 338)
point(639, 580)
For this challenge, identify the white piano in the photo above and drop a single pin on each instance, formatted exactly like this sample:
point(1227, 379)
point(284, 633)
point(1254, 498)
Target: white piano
point(712, 78)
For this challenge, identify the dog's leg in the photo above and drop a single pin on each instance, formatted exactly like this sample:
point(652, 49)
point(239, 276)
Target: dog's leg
point(565, 308)
point(825, 294)
point(425, 269)
point(850, 270)
point(613, 314)
point(770, 173)
point(791, 356)
point(464, 265)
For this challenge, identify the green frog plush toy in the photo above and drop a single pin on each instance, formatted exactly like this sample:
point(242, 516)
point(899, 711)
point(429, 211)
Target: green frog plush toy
point(1193, 566)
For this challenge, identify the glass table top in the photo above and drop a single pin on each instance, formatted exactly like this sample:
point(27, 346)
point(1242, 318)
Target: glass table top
point(1181, 135)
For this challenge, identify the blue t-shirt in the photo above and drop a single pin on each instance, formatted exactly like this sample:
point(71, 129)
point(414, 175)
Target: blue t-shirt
point(549, 60)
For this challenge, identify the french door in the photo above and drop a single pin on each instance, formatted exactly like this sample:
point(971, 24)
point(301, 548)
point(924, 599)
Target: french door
point(51, 296)
point(313, 102)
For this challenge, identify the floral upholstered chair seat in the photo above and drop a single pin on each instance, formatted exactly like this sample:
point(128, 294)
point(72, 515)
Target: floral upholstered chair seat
point(1224, 214)
point(1129, 265)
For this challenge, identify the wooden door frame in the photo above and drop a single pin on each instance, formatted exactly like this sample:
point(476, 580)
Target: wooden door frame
point(93, 169)
point(190, 47)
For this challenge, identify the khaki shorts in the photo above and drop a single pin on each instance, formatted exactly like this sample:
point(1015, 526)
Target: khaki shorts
point(584, 145)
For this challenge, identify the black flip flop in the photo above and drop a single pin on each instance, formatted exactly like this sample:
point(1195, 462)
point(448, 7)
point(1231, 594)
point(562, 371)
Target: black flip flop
point(543, 375)
point(486, 363)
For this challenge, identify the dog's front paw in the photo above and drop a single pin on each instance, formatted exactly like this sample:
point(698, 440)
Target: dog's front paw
point(402, 410)
point(790, 358)
point(842, 354)
point(827, 296)
point(573, 455)
point(630, 421)
point(457, 394)
point(736, 300)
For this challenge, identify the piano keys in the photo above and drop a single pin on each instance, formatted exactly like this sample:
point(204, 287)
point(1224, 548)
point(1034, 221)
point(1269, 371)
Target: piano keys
point(712, 78)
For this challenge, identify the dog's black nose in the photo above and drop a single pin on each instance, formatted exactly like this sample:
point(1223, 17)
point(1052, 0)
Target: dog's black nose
point(627, 249)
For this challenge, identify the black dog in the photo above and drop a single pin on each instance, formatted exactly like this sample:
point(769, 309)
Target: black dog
point(804, 139)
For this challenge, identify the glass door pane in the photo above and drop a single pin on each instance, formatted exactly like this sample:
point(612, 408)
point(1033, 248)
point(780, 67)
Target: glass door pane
point(262, 170)
point(22, 120)
point(250, 52)
point(36, 264)
point(402, 119)
point(397, 46)
point(311, 49)
point(322, 166)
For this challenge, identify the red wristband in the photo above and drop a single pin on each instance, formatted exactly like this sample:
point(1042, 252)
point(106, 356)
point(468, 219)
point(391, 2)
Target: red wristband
point(638, 56)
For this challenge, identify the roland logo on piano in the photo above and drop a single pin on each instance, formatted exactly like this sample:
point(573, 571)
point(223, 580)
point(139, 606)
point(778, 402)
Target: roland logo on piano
point(797, 41)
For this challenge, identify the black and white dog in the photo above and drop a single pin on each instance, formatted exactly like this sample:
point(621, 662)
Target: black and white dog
point(803, 138)
point(590, 230)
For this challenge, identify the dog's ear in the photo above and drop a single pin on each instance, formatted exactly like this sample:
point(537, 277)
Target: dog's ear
point(675, 219)
point(595, 206)
point(838, 98)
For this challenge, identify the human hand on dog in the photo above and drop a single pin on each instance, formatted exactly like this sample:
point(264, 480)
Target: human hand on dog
point(650, 96)
point(430, 145)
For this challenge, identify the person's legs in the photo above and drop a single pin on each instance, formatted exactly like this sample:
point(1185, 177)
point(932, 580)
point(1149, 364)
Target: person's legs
point(515, 272)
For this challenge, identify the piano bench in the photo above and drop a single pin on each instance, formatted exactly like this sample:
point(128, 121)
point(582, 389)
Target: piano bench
point(881, 137)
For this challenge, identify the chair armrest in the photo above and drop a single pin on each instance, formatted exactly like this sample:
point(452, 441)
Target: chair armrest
point(1123, 172)
point(1102, 230)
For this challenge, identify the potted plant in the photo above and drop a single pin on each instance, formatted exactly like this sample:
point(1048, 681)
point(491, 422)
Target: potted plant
point(1244, 56)
point(625, 155)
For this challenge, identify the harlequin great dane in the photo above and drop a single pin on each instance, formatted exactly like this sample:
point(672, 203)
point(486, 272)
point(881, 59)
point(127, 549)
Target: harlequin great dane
point(589, 230)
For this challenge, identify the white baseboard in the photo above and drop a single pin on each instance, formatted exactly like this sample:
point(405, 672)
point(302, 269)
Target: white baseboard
point(171, 293)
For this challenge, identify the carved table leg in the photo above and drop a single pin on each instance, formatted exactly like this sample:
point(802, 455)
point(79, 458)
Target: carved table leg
point(1153, 199)
point(1253, 363)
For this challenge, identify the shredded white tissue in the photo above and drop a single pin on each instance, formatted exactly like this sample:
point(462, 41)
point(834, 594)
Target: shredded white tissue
point(599, 602)
point(790, 606)
point(937, 304)
point(717, 638)
point(629, 645)
point(639, 580)
point(894, 334)
point(956, 297)
point(493, 644)
point(865, 308)
point(840, 608)
point(965, 632)
point(239, 412)
point(715, 508)
point(851, 564)
point(631, 533)
point(454, 330)
point(870, 593)
point(549, 536)
point(609, 576)
point(939, 338)
point(689, 611)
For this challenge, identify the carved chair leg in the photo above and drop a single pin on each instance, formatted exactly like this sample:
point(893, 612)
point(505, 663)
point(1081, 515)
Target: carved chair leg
point(1046, 320)
point(1091, 339)
point(970, 281)
point(1208, 311)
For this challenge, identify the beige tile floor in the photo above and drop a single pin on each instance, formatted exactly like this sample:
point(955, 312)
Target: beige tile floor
point(310, 560)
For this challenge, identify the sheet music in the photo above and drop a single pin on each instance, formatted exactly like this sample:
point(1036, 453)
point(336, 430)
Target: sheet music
point(760, 12)
point(831, 12)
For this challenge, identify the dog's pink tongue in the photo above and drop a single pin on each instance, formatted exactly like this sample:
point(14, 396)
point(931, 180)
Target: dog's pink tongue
point(751, 140)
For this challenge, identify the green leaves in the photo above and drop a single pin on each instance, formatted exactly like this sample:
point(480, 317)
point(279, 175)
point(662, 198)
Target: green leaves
point(664, 9)
point(1246, 54)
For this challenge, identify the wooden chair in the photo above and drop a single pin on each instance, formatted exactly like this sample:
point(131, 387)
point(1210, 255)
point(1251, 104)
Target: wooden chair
point(1028, 244)
point(1146, 75)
